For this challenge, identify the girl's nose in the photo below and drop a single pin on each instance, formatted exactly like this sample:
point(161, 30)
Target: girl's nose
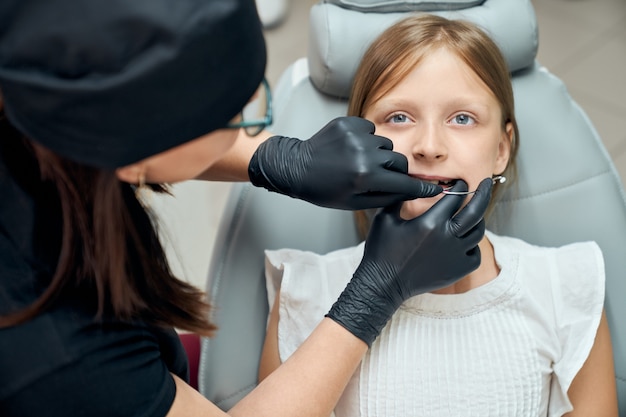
point(429, 144)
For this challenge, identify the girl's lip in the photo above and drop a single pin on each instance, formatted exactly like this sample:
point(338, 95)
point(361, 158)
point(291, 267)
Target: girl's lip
point(432, 178)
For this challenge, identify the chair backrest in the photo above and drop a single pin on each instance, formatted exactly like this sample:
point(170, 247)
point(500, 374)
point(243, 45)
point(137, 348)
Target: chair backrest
point(568, 189)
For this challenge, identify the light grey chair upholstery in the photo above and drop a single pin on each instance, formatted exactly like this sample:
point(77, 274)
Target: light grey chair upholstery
point(568, 187)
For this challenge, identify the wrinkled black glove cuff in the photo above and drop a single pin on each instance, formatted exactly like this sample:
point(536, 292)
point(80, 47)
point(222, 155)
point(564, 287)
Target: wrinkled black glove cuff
point(362, 309)
point(272, 165)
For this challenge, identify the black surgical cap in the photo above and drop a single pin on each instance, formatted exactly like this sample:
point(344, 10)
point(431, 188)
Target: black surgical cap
point(108, 83)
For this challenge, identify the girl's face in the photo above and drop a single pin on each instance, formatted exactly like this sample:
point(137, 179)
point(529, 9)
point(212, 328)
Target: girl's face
point(447, 123)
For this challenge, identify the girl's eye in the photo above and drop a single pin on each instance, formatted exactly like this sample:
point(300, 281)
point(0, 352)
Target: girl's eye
point(463, 119)
point(398, 118)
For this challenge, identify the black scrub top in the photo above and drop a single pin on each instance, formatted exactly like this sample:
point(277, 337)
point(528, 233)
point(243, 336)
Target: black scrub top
point(65, 362)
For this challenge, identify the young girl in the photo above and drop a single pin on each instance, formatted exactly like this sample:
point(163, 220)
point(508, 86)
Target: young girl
point(99, 100)
point(524, 334)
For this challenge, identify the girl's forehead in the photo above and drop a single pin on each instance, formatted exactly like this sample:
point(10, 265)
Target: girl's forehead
point(441, 71)
point(441, 56)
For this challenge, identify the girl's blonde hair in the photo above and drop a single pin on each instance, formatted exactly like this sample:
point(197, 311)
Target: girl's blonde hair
point(394, 54)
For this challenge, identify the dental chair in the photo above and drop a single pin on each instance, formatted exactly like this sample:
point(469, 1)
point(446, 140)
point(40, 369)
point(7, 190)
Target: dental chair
point(568, 189)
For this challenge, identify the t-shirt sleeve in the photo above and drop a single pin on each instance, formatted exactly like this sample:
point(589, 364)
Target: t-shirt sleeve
point(578, 303)
point(309, 284)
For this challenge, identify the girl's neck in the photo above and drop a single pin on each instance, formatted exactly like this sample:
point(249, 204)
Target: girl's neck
point(487, 271)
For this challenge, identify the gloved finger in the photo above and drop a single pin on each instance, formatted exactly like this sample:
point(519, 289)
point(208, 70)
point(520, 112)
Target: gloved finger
point(473, 258)
point(404, 186)
point(381, 142)
point(423, 189)
point(391, 211)
point(447, 206)
point(394, 161)
point(474, 211)
point(355, 124)
point(386, 217)
point(393, 186)
point(374, 200)
point(473, 237)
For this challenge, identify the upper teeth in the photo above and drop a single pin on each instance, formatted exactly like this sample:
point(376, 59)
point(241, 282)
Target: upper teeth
point(441, 182)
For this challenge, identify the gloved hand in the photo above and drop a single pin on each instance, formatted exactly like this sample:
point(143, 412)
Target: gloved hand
point(342, 166)
point(404, 258)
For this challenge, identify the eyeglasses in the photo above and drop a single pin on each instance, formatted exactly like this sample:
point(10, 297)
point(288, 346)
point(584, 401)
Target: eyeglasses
point(257, 114)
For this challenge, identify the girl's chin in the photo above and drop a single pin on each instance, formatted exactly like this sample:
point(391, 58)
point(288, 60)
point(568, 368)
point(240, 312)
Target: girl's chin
point(414, 208)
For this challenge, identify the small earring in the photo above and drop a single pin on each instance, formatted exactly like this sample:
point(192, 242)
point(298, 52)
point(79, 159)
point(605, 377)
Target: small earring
point(498, 179)
point(142, 191)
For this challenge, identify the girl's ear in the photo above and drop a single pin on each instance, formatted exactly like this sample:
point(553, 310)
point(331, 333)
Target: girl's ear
point(130, 173)
point(504, 149)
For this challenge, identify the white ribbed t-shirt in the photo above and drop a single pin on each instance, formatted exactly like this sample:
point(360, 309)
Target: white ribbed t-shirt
point(510, 347)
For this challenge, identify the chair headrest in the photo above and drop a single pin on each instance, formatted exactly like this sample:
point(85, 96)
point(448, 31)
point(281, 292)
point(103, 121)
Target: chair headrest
point(391, 6)
point(341, 31)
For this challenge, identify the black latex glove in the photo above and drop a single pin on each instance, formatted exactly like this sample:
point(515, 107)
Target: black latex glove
point(342, 166)
point(404, 258)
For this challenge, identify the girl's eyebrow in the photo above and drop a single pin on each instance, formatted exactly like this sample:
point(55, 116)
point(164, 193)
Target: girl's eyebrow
point(460, 102)
point(392, 102)
point(468, 102)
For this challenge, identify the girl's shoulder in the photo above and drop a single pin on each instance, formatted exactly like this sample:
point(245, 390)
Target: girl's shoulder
point(307, 284)
point(562, 297)
point(576, 259)
point(564, 285)
point(298, 256)
point(307, 277)
point(335, 267)
point(564, 281)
